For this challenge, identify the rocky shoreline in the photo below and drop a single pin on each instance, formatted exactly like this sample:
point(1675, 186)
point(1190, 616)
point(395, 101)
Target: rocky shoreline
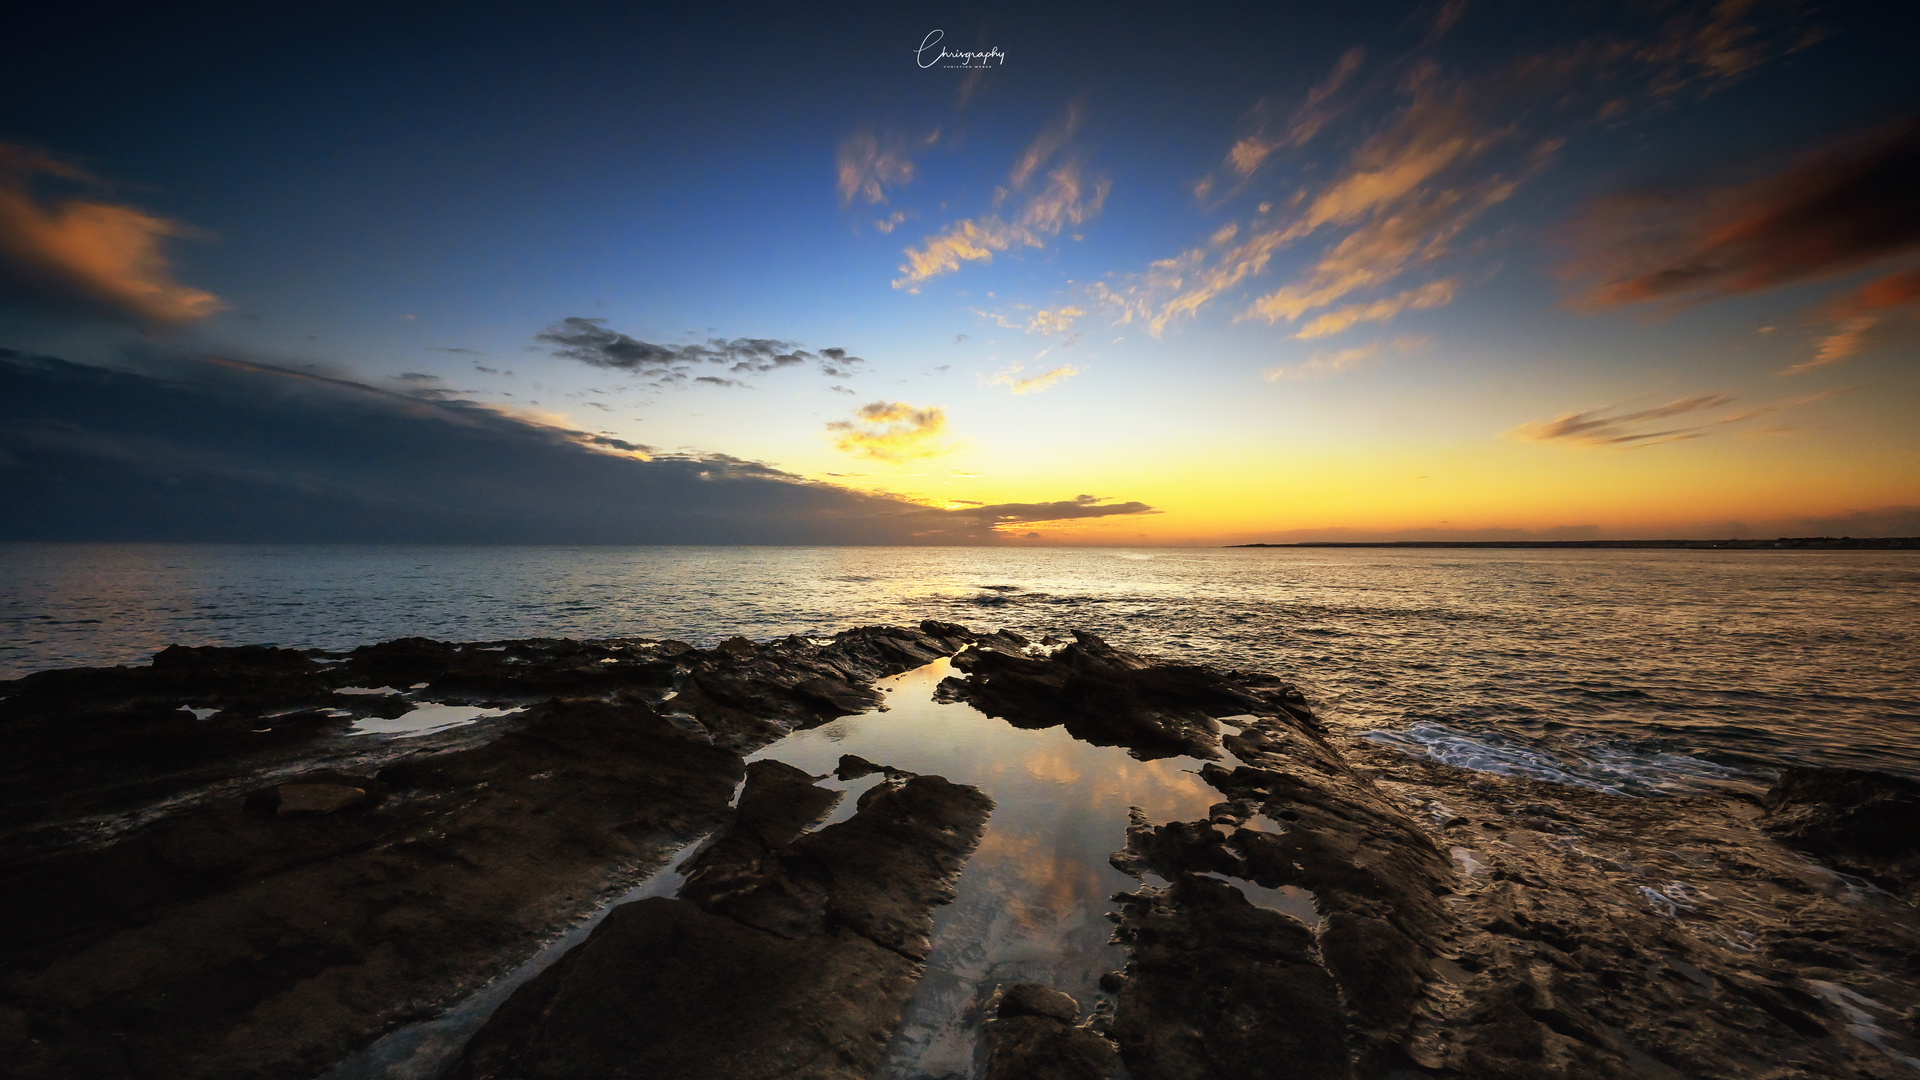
point(207, 873)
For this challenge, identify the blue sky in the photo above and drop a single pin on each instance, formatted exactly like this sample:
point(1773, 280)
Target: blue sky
point(1388, 270)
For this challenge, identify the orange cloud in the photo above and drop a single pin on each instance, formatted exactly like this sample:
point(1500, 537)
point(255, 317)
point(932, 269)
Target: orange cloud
point(1067, 200)
point(893, 431)
point(1430, 295)
point(1860, 318)
point(1313, 114)
point(1389, 191)
point(88, 255)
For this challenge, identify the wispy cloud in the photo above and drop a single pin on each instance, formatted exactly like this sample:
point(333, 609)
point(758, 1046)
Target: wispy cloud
point(1452, 147)
point(591, 341)
point(1600, 428)
point(77, 254)
point(1841, 207)
point(1886, 308)
point(892, 431)
point(868, 165)
point(1068, 200)
point(1392, 193)
point(1430, 295)
point(1044, 146)
point(1330, 364)
point(1650, 427)
point(1339, 362)
point(1325, 365)
point(1011, 379)
point(1056, 321)
point(1274, 129)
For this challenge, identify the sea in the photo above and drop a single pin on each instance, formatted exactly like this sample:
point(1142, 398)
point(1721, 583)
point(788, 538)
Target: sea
point(1645, 672)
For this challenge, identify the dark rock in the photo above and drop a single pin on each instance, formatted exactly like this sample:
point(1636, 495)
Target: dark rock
point(1032, 1037)
point(223, 940)
point(853, 767)
point(1032, 999)
point(735, 646)
point(1864, 822)
point(801, 969)
point(316, 798)
point(1221, 990)
point(664, 988)
point(1108, 697)
point(780, 802)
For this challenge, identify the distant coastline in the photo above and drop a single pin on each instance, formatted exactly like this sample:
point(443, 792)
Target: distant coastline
point(1792, 543)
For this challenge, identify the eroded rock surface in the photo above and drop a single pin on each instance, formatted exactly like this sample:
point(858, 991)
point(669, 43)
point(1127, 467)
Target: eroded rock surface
point(1033, 1036)
point(787, 955)
point(1112, 698)
point(1864, 822)
point(203, 874)
point(1349, 911)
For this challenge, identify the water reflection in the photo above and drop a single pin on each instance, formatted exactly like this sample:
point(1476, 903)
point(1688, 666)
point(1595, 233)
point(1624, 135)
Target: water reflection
point(1032, 903)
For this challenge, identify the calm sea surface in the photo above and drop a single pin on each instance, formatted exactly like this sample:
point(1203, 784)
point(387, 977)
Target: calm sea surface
point(1639, 671)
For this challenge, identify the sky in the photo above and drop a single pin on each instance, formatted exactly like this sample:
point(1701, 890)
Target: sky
point(1471, 269)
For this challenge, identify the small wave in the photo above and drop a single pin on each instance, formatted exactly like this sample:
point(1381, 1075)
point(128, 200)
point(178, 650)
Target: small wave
point(1616, 770)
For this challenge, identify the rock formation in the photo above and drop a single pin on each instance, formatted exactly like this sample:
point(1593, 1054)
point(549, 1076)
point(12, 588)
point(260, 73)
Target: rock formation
point(206, 874)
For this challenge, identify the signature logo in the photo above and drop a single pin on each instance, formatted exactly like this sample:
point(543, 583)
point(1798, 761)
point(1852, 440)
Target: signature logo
point(955, 59)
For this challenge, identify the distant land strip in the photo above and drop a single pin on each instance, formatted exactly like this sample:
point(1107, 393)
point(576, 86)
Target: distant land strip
point(1804, 543)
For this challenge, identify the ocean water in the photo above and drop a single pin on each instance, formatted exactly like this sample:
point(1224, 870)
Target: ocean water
point(1636, 671)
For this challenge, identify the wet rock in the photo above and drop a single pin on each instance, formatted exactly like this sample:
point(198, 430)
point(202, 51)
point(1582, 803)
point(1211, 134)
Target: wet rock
point(267, 934)
point(1864, 822)
point(316, 798)
point(1033, 1037)
point(739, 870)
point(1108, 697)
point(1219, 989)
point(1032, 999)
point(665, 988)
point(853, 767)
point(712, 985)
point(750, 696)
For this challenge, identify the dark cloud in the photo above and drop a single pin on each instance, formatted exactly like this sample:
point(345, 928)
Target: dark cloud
point(591, 341)
point(1081, 506)
point(1839, 208)
point(448, 348)
point(225, 449)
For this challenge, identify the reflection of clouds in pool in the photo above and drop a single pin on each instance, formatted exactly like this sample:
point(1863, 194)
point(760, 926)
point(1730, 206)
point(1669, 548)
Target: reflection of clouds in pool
point(1031, 903)
point(1044, 884)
